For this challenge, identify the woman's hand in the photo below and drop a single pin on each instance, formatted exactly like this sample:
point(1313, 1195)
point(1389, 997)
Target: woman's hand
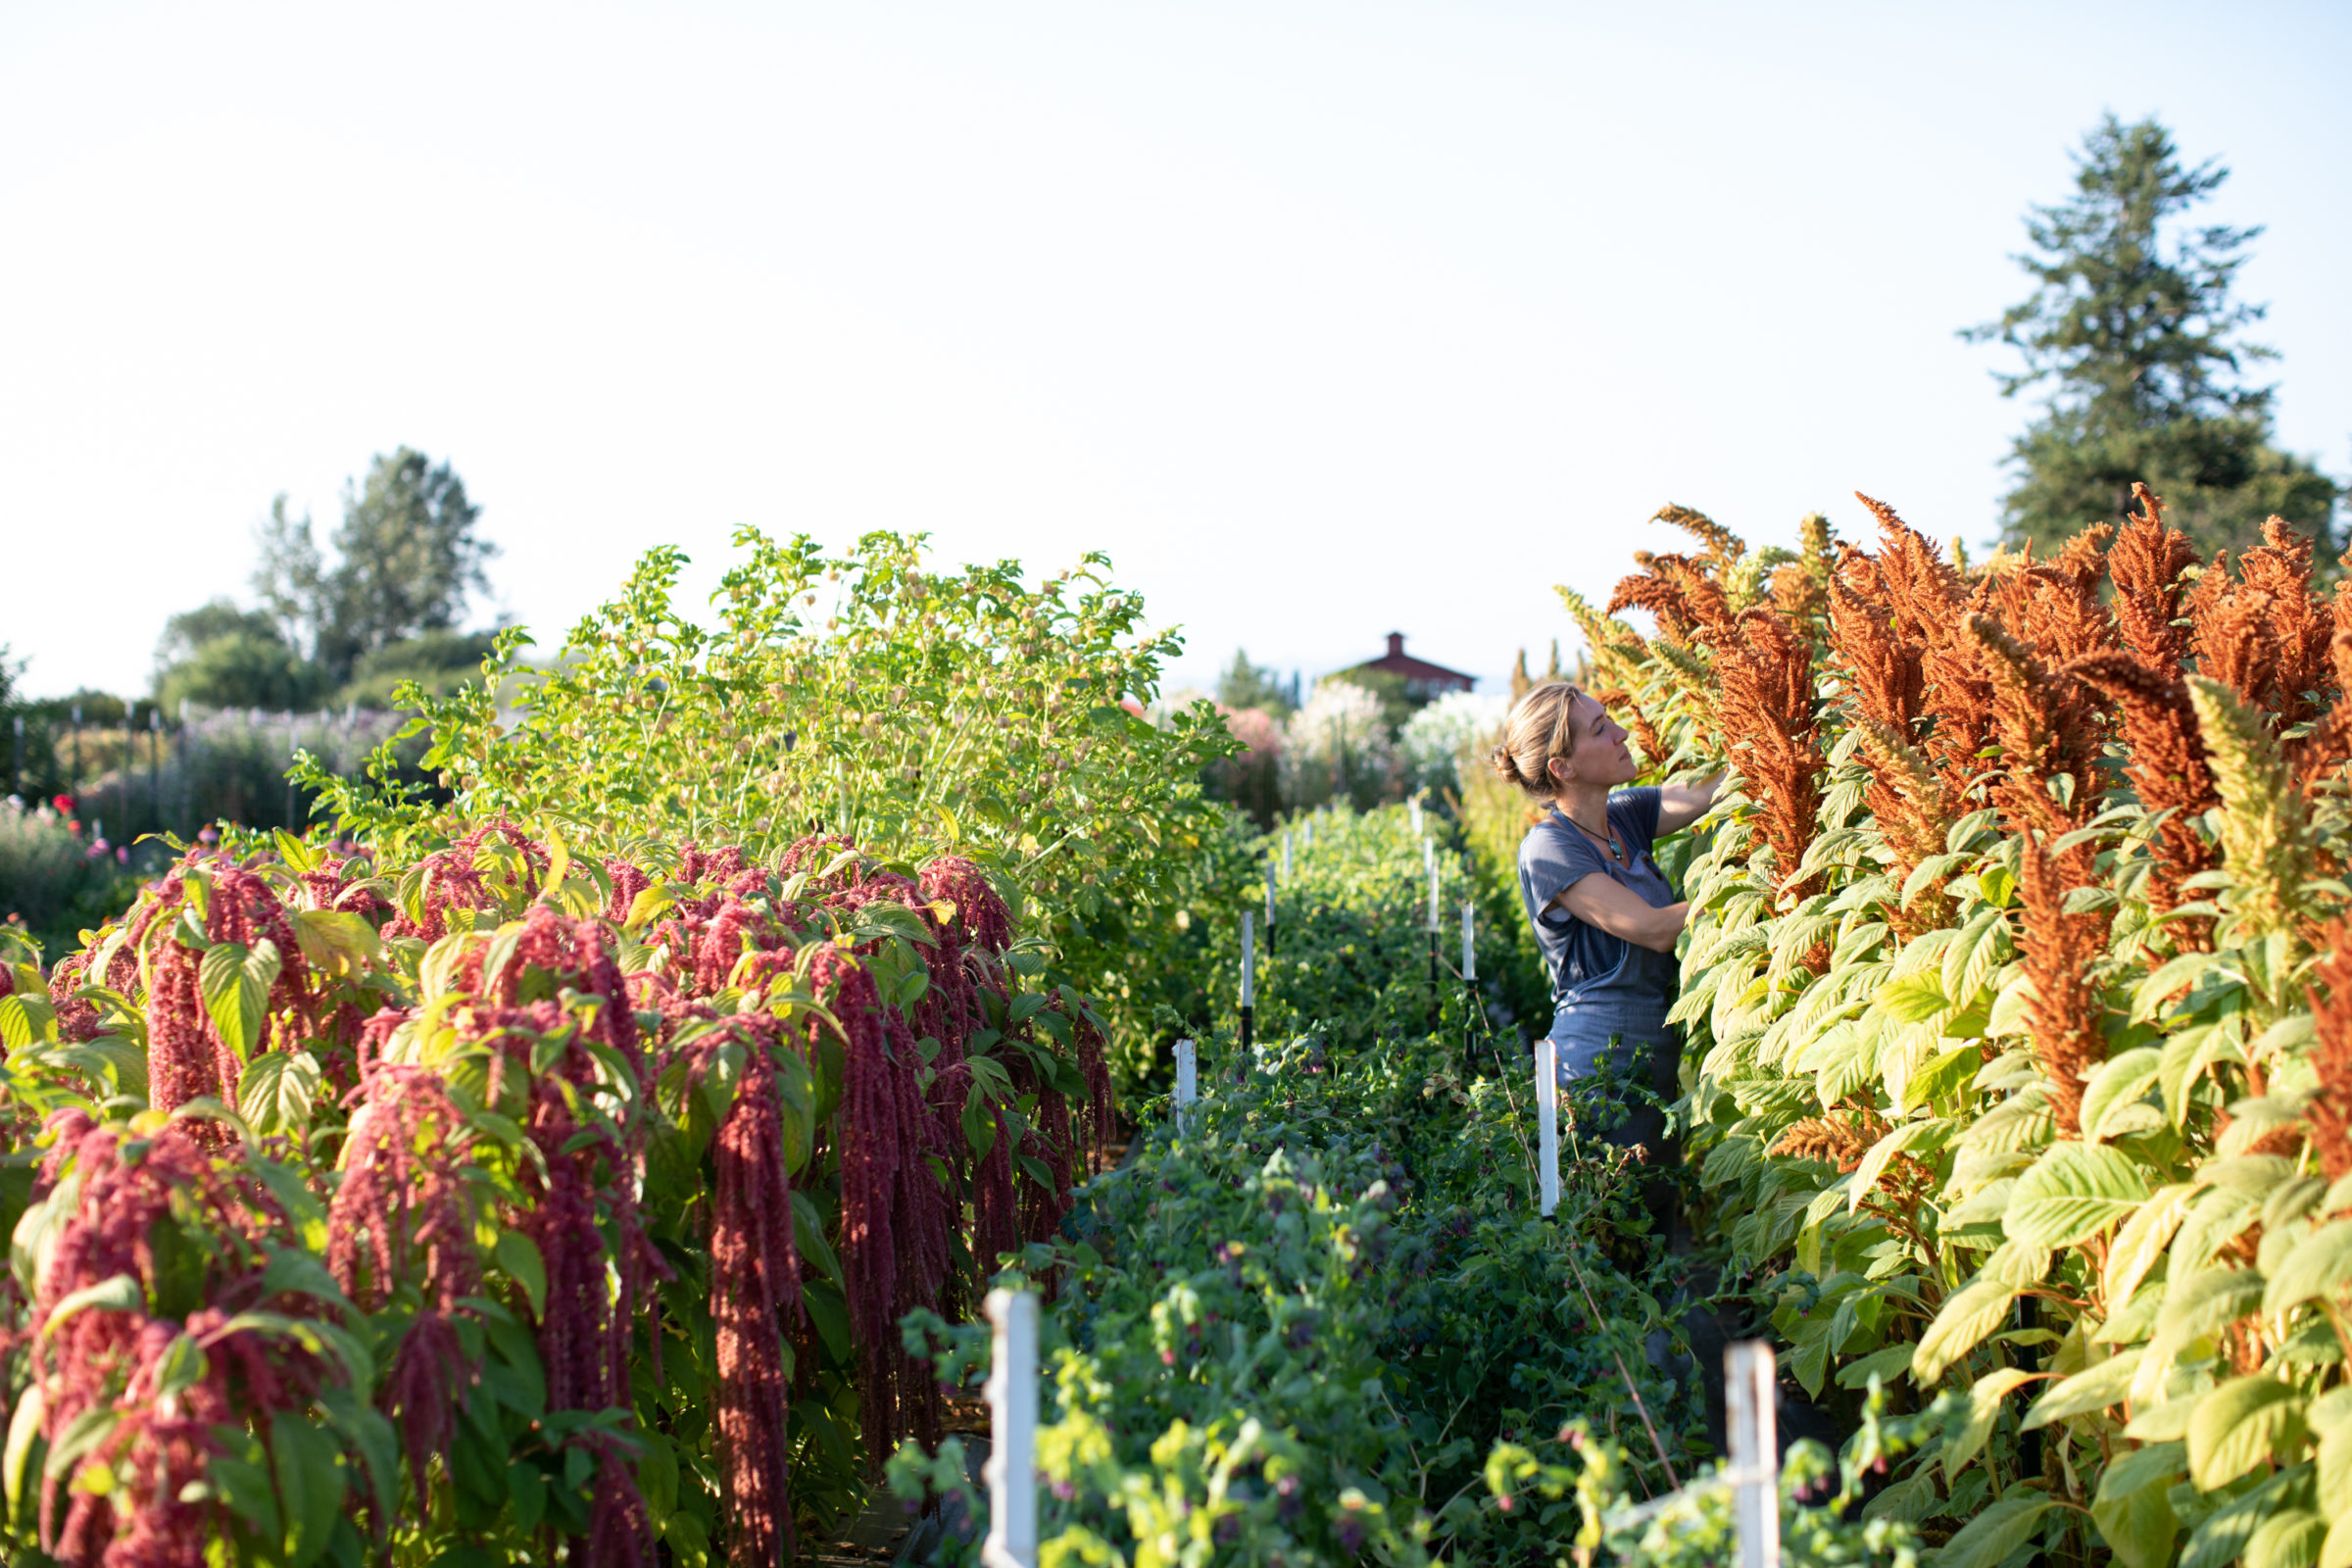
point(1681, 804)
point(1612, 906)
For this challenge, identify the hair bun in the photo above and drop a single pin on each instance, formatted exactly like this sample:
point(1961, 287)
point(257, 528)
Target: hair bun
point(1506, 766)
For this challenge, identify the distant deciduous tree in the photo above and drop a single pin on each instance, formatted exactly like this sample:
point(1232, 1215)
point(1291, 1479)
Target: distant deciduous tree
point(406, 561)
point(2139, 343)
point(224, 656)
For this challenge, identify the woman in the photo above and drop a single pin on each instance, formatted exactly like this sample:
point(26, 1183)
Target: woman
point(1605, 916)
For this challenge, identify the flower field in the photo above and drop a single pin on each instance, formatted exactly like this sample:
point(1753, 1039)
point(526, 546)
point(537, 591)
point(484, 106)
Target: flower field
point(602, 1158)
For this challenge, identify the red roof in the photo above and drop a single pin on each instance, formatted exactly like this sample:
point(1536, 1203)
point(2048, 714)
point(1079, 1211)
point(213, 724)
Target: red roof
point(1397, 661)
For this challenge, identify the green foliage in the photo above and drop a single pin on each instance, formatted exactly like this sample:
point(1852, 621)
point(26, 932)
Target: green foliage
point(2141, 347)
point(1824, 1517)
point(914, 712)
point(222, 656)
point(435, 661)
point(1316, 1319)
point(52, 888)
point(1258, 686)
point(1302, 1319)
point(1350, 955)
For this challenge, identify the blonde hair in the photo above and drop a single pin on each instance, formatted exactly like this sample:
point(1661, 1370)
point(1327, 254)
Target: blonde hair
point(1534, 735)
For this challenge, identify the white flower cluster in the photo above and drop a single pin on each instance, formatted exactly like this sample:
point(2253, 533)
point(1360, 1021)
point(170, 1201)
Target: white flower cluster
point(1433, 738)
point(1338, 743)
point(1341, 719)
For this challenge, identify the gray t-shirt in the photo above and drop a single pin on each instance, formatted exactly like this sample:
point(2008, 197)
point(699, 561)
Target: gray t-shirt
point(1553, 857)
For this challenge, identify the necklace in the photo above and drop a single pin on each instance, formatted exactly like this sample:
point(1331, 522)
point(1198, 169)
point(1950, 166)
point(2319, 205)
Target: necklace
point(1616, 848)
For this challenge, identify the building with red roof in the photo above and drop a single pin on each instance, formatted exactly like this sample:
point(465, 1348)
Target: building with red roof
point(1422, 679)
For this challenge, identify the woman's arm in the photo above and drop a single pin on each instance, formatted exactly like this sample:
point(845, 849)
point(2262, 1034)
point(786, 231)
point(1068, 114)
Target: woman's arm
point(1681, 804)
point(1608, 903)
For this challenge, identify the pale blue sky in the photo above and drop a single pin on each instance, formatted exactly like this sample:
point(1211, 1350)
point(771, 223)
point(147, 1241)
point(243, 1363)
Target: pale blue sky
point(1323, 319)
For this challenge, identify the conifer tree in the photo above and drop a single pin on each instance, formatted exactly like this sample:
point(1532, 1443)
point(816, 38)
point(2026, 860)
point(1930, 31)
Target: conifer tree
point(2136, 339)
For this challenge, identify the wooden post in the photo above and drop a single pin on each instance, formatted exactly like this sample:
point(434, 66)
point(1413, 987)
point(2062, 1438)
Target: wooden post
point(1249, 984)
point(1269, 909)
point(1011, 1468)
point(155, 762)
point(1427, 856)
point(1548, 1122)
point(1469, 989)
point(1748, 1390)
point(2028, 1359)
point(1188, 1079)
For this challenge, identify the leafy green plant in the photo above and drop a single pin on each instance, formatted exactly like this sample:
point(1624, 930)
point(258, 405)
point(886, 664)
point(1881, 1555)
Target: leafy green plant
point(916, 712)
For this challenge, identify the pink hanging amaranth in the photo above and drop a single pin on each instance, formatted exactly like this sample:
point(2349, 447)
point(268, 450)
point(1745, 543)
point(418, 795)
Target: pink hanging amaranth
point(586, 1333)
point(450, 879)
point(894, 1221)
point(331, 884)
point(76, 1019)
point(755, 1283)
point(245, 909)
point(186, 1055)
point(180, 1062)
point(106, 1358)
point(400, 1213)
point(982, 919)
point(627, 882)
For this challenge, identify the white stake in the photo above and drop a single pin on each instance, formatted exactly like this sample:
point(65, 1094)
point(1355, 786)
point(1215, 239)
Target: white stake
point(1416, 804)
point(1309, 831)
point(1011, 1468)
point(1248, 960)
point(1269, 898)
point(1747, 1398)
point(1469, 952)
point(1188, 1079)
point(1547, 1119)
point(1433, 902)
point(1286, 855)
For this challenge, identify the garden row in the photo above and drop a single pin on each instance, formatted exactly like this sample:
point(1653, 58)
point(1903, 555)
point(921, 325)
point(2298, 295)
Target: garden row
point(1318, 1319)
point(2019, 1013)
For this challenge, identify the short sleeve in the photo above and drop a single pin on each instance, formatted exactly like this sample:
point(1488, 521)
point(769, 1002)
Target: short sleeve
point(1550, 863)
point(1636, 813)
